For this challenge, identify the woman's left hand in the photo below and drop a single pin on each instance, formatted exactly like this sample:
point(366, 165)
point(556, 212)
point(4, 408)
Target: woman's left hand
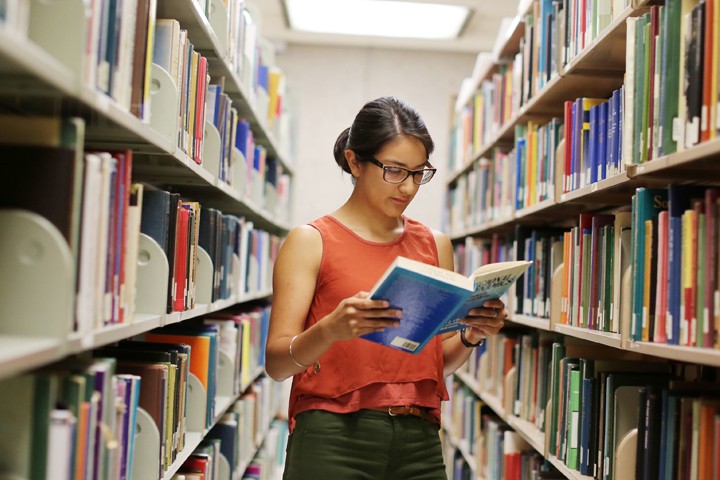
point(485, 321)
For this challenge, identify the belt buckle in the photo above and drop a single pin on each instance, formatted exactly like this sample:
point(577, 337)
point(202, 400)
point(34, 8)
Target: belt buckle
point(393, 413)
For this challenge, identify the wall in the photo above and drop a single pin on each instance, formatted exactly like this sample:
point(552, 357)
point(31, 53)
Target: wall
point(330, 84)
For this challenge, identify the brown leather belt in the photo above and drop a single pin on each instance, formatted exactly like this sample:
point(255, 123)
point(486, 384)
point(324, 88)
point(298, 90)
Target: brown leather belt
point(401, 410)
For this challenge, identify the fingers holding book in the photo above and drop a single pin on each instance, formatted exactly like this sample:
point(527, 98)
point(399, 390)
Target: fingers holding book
point(359, 315)
point(487, 320)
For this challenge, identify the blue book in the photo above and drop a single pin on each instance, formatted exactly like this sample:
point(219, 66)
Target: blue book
point(601, 154)
point(592, 148)
point(434, 300)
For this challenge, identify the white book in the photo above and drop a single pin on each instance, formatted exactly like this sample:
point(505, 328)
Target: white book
point(102, 312)
point(128, 289)
point(122, 72)
point(61, 435)
point(93, 11)
point(85, 308)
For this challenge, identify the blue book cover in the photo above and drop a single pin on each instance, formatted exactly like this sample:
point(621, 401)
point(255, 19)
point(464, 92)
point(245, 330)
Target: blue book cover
point(601, 154)
point(592, 147)
point(433, 300)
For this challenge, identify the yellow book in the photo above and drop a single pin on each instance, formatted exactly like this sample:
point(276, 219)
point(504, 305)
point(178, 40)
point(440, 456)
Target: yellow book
point(531, 174)
point(148, 58)
point(686, 275)
point(170, 437)
point(275, 79)
point(647, 281)
point(245, 373)
point(477, 122)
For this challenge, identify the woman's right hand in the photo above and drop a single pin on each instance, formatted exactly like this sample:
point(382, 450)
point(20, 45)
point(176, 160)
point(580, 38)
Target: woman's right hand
point(359, 315)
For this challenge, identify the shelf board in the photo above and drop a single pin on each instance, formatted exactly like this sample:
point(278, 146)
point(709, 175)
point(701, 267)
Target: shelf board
point(568, 472)
point(509, 46)
point(703, 356)
point(27, 68)
point(192, 440)
point(696, 163)
point(488, 228)
point(529, 432)
point(530, 321)
point(604, 338)
point(615, 190)
point(19, 353)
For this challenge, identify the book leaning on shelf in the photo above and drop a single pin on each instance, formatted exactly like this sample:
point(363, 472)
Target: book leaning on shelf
point(434, 300)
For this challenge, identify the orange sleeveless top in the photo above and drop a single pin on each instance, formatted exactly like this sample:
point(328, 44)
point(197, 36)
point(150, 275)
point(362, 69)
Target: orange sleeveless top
point(357, 374)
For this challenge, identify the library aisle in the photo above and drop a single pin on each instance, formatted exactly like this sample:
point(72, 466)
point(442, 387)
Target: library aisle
point(147, 175)
point(156, 153)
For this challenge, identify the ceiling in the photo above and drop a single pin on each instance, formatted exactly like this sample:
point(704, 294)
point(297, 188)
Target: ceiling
point(478, 35)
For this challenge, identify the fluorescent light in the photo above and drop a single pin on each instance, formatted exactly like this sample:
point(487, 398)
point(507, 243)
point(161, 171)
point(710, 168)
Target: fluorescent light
point(398, 19)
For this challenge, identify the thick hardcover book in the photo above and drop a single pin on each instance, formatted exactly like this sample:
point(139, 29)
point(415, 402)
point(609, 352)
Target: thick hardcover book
point(433, 300)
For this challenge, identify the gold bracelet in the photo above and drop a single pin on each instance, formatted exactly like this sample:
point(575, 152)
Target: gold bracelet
point(293, 356)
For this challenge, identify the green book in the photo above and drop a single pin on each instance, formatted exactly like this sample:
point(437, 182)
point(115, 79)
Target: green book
point(46, 388)
point(669, 75)
point(573, 427)
point(638, 90)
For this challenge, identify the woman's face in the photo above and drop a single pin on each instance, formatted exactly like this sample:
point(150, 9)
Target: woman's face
point(393, 198)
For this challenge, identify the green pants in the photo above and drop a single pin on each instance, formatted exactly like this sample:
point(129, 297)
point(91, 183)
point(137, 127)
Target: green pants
point(366, 445)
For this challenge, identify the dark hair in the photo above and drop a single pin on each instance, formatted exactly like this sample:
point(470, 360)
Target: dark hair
point(379, 122)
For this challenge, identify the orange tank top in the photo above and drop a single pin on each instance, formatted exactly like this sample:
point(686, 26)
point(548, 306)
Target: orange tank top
point(357, 374)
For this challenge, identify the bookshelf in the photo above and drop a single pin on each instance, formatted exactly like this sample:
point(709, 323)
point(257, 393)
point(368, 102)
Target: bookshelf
point(44, 75)
point(514, 88)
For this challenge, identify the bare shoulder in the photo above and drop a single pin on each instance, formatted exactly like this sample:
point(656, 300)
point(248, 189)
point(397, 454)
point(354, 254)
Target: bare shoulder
point(444, 249)
point(303, 244)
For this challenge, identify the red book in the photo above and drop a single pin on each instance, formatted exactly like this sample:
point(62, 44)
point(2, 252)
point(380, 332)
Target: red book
point(200, 108)
point(124, 181)
point(180, 279)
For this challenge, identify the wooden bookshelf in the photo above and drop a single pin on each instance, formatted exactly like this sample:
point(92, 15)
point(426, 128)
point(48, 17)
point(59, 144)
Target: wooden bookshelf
point(35, 82)
point(596, 71)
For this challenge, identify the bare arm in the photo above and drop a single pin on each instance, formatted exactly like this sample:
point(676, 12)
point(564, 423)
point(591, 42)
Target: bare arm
point(482, 323)
point(294, 282)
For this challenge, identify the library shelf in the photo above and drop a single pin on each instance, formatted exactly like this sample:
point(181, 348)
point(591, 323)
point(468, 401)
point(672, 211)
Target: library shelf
point(530, 321)
point(692, 163)
point(702, 356)
point(609, 339)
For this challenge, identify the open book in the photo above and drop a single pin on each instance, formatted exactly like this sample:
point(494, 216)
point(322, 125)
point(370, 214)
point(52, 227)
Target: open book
point(434, 300)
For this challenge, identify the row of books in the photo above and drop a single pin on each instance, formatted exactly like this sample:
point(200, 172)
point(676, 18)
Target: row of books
point(675, 266)
point(483, 195)
point(672, 78)
point(91, 200)
point(498, 452)
point(481, 118)
point(176, 54)
point(116, 53)
point(663, 252)
point(586, 400)
point(535, 150)
point(554, 33)
point(593, 133)
point(77, 418)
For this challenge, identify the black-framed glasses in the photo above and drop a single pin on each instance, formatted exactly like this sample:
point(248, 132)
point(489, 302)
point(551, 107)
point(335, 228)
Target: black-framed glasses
point(394, 174)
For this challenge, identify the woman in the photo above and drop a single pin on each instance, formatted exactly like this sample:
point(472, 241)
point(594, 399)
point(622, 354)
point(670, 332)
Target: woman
point(359, 409)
